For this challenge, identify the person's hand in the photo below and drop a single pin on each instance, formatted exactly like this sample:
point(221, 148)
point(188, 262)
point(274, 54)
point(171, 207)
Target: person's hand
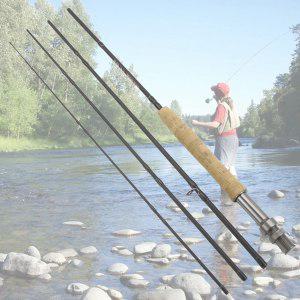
point(195, 122)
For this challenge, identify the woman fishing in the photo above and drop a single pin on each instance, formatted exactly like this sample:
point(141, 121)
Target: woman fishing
point(225, 121)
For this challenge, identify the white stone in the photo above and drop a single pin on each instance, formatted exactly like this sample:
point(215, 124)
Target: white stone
point(275, 297)
point(114, 294)
point(45, 277)
point(291, 274)
point(192, 284)
point(168, 235)
point(241, 228)
point(259, 290)
point(279, 219)
point(77, 263)
point(95, 293)
point(268, 248)
point(251, 269)
point(54, 257)
point(161, 250)
point(102, 287)
point(249, 293)
point(74, 223)
point(276, 194)
point(197, 215)
point(53, 265)
point(246, 224)
point(125, 252)
point(283, 262)
point(144, 248)
point(166, 294)
point(33, 251)
point(174, 256)
point(24, 264)
point(206, 211)
point(172, 205)
point(127, 277)
point(68, 252)
point(117, 269)
point(126, 232)
point(262, 280)
point(191, 240)
point(199, 271)
point(166, 279)
point(98, 275)
point(2, 257)
point(137, 283)
point(227, 237)
point(296, 230)
point(77, 288)
point(159, 261)
point(88, 250)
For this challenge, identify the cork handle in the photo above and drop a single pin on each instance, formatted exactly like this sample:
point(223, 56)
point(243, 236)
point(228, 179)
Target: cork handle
point(200, 151)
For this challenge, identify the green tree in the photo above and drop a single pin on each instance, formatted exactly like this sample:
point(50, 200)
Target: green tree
point(176, 107)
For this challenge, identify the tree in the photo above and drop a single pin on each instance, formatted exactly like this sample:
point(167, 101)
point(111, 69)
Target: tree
point(176, 107)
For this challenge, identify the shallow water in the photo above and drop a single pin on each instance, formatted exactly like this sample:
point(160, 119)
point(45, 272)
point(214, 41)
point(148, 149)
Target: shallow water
point(40, 190)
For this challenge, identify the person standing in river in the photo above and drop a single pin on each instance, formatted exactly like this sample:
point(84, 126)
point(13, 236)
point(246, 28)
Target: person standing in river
point(224, 121)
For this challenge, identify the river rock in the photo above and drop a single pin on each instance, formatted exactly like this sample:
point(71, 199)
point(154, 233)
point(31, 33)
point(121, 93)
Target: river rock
point(158, 260)
point(77, 288)
point(262, 280)
point(144, 248)
point(241, 228)
point(268, 248)
point(174, 256)
point(166, 279)
point(127, 277)
point(227, 237)
point(192, 284)
point(279, 219)
point(98, 275)
point(88, 250)
point(74, 223)
point(249, 293)
point(172, 205)
point(167, 294)
point(54, 257)
point(114, 294)
point(136, 283)
point(275, 297)
point(206, 211)
point(282, 261)
point(126, 232)
point(276, 194)
point(190, 240)
point(24, 264)
point(251, 269)
point(161, 250)
point(197, 215)
point(33, 251)
point(125, 252)
point(68, 252)
point(2, 257)
point(163, 287)
point(45, 277)
point(296, 230)
point(117, 269)
point(77, 263)
point(291, 274)
point(95, 293)
point(246, 223)
point(53, 265)
point(102, 287)
point(199, 271)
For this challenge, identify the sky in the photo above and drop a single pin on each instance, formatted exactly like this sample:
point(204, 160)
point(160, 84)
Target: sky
point(179, 49)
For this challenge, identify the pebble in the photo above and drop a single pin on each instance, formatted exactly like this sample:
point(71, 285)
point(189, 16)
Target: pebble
point(250, 269)
point(68, 252)
point(249, 293)
point(95, 293)
point(296, 230)
point(291, 274)
point(77, 288)
point(246, 223)
point(159, 261)
point(197, 215)
point(282, 261)
point(206, 211)
point(117, 269)
point(127, 232)
point(54, 257)
point(262, 280)
point(137, 283)
point(163, 294)
point(276, 194)
point(125, 252)
point(144, 248)
point(77, 263)
point(45, 277)
point(174, 256)
point(88, 250)
point(228, 237)
point(199, 271)
point(191, 240)
point(74, 223)
point(127, 277)
point(161, 250)
point(268, 248)
point(114, 294)
point(33, 251)
point(98, 275)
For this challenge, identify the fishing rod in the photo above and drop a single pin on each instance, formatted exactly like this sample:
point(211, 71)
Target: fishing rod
point(186, 177)
point(234, 267)
point(161, 218)
point(228, 182)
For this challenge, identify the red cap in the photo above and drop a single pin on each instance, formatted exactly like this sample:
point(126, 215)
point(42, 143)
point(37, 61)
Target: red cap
point(221, 87)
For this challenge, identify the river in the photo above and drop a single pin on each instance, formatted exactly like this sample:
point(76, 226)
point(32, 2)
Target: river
point(39, 190)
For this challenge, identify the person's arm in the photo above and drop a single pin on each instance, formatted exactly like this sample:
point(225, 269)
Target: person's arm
point(213, 124)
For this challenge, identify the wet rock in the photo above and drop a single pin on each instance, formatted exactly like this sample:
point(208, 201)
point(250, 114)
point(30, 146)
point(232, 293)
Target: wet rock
point(206, 211)
point(167, 294)
point(95, 293)
point(33, 251)
point(74, 223)
point(276, 194)
point(246, 224)
point(199, 271)
point(88, 250)
point(198, 215)
point(2, 257)
point(227, 237)
point(281, 261)
point(291, 274)
point(77, 288)
point(126, 232)
point(249, 293)
point(144, 248)
point(168, 235)
point(67, 253)
point(45, 277)
point(190, 240)
point(174, 256)
point(166, 279)
point(159, 261)
point(296, 230)
point(77, 263)
point(98, 275)
point(235, 260)
point(24, 264)
point(102, 287)
point(175, 208)
point(262, 280)
point(127, 277)
point(250, 269)
point(275, 297)
point(114, 294)
point(125, 252)
point(161, 250)
point(241, 228)
point(117, 269)
point(268, 248)
point(192, 284)
point(54, 257)
point(137, 283)
point(279, 219)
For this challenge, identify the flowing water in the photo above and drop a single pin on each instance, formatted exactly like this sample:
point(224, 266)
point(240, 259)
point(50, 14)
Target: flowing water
point(40, 190)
